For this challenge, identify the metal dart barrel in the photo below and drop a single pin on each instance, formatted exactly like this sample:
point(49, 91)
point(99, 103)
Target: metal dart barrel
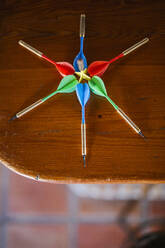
point(130, 122)
point(82, 25)
point(135, 46)
point(27, 109)
point(30, 48)
point(125, 117)
point(83, 140)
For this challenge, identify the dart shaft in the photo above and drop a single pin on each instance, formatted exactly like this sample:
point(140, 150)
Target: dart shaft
point(116, 58)
point(49, 60)
point(82, 25)
point(112, 102)
point(83, 138)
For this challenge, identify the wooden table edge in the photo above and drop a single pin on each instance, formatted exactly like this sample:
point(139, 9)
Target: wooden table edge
point(75, 180)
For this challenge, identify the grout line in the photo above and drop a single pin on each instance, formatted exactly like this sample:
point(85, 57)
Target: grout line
point(144, 202)
point(73, 213)
point(143, 216)
point(26, 219)
point(4, 205)
point(87, 219)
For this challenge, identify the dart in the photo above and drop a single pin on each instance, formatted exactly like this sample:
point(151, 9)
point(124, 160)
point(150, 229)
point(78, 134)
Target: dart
point(64, 68)
point(83, 95)
point(97, 68)
point(73, 76)
point(97, 86)
point(67, 85)
point(80, 62)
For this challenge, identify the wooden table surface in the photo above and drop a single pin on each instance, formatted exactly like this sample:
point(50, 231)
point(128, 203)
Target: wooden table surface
point(47, 141)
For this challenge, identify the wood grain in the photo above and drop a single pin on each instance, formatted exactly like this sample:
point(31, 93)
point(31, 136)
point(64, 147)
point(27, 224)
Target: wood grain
point(47, 142)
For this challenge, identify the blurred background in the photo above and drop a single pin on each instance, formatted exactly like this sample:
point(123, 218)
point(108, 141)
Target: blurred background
point(35, 214)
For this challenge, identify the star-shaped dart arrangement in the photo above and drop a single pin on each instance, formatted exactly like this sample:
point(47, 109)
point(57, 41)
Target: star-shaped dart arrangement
point(73, 80)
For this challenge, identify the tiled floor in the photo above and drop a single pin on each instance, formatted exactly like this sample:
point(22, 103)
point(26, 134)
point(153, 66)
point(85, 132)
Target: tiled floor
point(35, 214)
point(100, 235)
point(29, 235)
point(42, 198)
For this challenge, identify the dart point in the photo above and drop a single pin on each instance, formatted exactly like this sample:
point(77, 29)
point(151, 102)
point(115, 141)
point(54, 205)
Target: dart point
point(142, 135)
point(84, 161)
point(13, 118)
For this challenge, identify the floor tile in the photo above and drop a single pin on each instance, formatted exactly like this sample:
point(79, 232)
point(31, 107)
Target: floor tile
point(1, 233)
point(1, 189)
point(38, 236)
point(156, 208)
point(29, 196)
point(100, 236)
point(111, 208)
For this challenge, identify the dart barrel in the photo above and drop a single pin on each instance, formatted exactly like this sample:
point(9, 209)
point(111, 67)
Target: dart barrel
point(132, 48)
point(83, 138)
point(128, 120)
point(30, 48)
point(82, 25)
point(29, 108)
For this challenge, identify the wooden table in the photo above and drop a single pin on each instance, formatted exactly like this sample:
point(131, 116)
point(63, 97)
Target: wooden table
point(46, 143)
